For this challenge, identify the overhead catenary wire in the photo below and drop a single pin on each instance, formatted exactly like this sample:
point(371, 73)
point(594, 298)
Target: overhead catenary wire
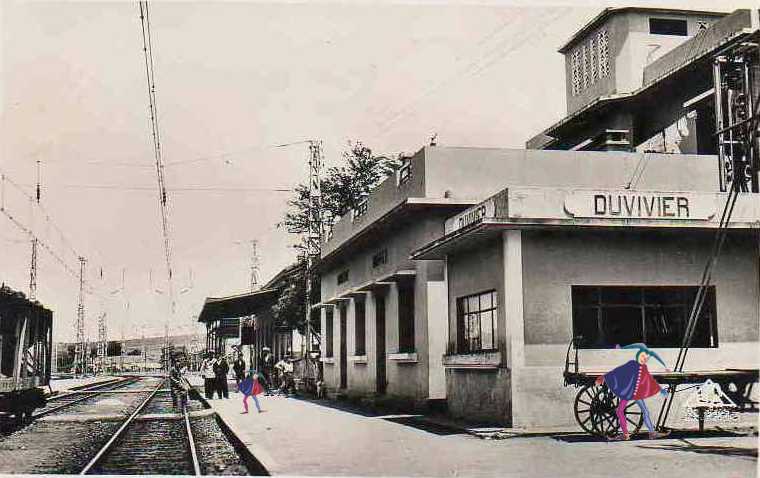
point(155, 133)
point(196, 188)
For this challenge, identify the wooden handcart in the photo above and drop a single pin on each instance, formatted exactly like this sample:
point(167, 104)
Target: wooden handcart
point(595, 405)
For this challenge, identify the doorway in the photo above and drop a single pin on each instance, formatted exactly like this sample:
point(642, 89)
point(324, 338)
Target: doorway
point(380, 379)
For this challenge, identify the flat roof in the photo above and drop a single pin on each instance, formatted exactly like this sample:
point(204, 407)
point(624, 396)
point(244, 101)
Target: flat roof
point(564, 212)
point(404, 207)
point(235, 306)
point(610, 11)
point(681, 62)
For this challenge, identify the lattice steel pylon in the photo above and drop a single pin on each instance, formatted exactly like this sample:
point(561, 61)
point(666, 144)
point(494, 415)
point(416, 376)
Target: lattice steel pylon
point(102, 340)
point(736, 76)
point(80, 361)
point(313, 239)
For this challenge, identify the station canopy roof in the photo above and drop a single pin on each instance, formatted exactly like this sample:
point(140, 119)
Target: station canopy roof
point(235, 306)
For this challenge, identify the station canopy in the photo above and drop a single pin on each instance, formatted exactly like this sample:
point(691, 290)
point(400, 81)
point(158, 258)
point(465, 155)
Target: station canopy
point(236, 306)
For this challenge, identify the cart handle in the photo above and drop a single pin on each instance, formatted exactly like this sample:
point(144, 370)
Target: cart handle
point(573, 345)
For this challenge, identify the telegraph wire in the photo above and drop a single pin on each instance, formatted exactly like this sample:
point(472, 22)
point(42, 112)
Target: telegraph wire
point(119, 187)
point(475, 67)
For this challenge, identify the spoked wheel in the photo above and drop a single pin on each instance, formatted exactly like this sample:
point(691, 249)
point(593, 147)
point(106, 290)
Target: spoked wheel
point(595, 408)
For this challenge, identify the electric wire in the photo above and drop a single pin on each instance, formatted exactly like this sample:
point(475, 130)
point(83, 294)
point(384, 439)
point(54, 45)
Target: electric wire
point(156, 138)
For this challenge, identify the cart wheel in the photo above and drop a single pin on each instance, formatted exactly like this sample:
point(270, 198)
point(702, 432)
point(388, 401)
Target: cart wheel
point(595, 409)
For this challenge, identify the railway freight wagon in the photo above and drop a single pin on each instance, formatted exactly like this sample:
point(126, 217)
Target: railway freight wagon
point(26, 334)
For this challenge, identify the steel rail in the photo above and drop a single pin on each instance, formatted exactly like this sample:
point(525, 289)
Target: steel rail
point(87, 393)
point(191, 440)
point(121, 429)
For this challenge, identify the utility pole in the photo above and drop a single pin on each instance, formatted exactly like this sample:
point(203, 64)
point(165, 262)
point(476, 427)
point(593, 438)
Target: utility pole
point(33, 272)
point(314, 232)
point(102, 340)
point(80, 351)
point(254, 265)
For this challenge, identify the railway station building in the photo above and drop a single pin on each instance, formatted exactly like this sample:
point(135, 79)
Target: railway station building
point(382, 314)
point(576, 254)
point(604, 226)
point(465, 276)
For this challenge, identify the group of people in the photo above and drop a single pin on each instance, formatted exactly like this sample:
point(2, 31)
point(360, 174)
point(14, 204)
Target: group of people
point(215, 370)
point(249, 382)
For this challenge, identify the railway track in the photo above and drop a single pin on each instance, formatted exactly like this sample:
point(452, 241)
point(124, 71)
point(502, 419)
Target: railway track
point(80, 394)
point(123, 427)
point(149, 443)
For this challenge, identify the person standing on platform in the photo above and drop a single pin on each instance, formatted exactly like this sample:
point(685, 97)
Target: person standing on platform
point(267, 365)
point(250, 387)
point(209, 376)
point(221, 369)
point(238, 366)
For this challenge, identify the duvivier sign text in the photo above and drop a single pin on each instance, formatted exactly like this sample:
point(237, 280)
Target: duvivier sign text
point(471, 216)
point(640, 205)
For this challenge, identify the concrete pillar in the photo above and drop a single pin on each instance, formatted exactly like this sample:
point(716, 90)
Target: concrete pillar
point(350, 306)
point(514, 319)
point(370, 332)
point(437, 335)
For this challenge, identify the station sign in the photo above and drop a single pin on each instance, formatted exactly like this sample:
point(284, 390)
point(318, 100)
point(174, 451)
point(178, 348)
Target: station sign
point(625, 204)
point(470, 216)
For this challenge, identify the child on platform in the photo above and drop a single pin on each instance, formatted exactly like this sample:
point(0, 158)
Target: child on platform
point(250, 387)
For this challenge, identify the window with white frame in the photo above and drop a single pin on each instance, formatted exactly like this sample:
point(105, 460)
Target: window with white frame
point(476, 322)
point(360, 210)
point(404, 173)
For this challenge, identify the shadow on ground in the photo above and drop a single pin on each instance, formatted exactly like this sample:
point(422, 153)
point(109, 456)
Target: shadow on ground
point(419, 422)
point(687, 446)
point(643, 437)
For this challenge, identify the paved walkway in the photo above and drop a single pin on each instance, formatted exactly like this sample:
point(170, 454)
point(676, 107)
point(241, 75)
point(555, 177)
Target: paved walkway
point(300, 437)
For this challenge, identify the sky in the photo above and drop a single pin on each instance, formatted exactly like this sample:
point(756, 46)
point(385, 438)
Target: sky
point(234, 79)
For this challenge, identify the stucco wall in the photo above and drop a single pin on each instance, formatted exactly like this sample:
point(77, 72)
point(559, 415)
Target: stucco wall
point(383, 198)
point(631, 49)
point(617, 32)
point(473, 271)
point(553, 261)
point(495, 169)
point(479, 395)
point(404, 379)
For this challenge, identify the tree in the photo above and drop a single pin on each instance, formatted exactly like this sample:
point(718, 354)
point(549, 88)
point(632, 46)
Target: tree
point(290, 310)
point(343, 187)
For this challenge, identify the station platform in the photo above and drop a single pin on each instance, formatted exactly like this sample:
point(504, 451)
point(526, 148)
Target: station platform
point(304, 437)
point(64, 384)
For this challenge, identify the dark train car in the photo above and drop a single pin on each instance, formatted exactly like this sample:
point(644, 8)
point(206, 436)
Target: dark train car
point(26, 335)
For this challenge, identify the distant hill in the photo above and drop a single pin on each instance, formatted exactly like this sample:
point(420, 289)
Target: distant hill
point(152, 342)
